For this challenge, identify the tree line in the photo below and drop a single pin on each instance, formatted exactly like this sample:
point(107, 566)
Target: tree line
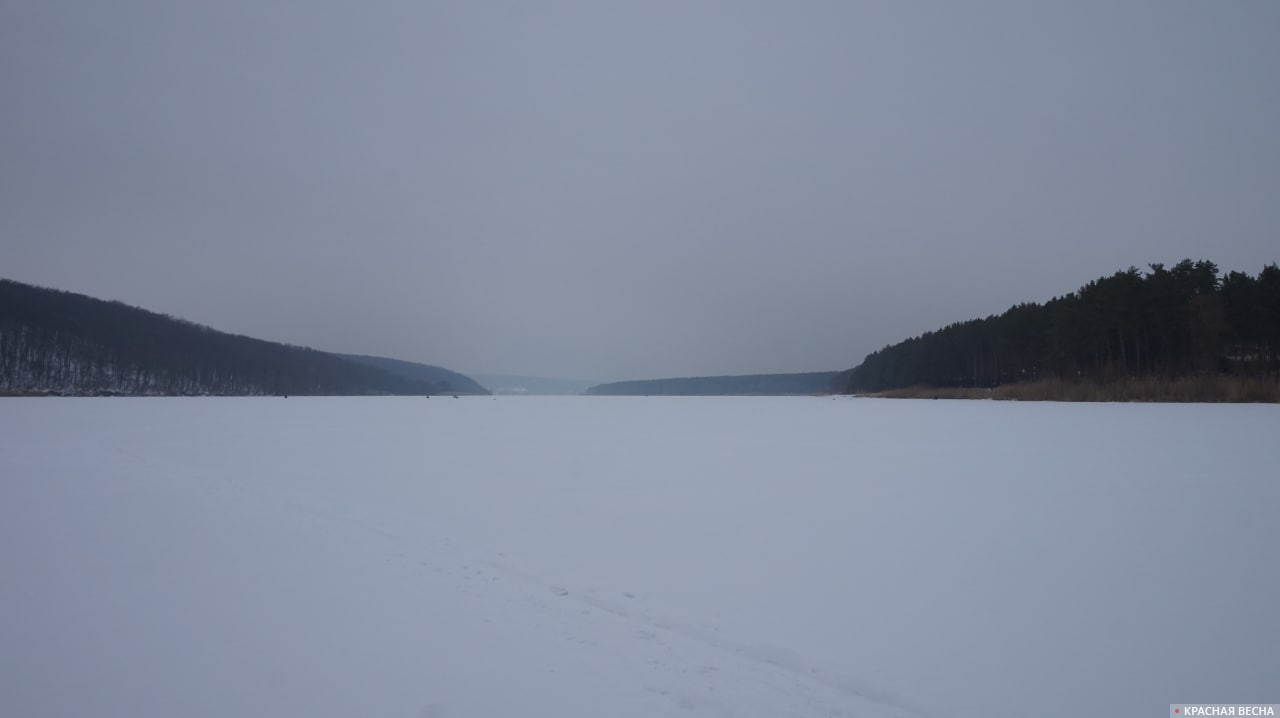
point(1166, 322)
point(55, 341)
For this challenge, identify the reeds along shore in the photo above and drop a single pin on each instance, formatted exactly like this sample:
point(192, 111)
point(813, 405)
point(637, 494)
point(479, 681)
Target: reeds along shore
point(1195, 389)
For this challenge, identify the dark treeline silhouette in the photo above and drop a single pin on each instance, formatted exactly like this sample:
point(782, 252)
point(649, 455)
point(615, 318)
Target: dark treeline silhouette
point(68, 343)
point(1165, 323)
point(446, 381)
point(751, 384)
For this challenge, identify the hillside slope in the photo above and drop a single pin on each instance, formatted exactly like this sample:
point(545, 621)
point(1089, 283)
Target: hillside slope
point(447, 381)
point(67, 343)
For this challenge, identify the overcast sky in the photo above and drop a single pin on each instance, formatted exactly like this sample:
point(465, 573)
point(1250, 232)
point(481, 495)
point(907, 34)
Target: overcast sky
point(613, 190)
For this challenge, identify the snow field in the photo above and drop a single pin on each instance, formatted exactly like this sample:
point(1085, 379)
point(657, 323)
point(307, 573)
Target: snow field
point(588, 556)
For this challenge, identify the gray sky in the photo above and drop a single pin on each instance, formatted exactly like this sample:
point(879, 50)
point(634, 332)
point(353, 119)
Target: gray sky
point(614, 190)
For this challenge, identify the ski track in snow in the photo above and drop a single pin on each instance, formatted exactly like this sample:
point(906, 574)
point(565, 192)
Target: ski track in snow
point(692, 668)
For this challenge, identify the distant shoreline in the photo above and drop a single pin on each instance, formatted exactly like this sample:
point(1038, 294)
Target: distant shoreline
point(1195, 389)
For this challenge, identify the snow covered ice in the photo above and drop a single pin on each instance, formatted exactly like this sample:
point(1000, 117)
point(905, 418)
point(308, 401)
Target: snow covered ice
point(601, 556)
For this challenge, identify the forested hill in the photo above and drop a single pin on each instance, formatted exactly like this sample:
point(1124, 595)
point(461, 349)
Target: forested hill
point(1165, 323)
point(753, 384)
point(447, 381)
point(55, 341)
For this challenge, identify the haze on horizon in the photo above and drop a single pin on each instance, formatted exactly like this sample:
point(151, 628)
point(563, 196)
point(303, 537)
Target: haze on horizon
point(627, 190)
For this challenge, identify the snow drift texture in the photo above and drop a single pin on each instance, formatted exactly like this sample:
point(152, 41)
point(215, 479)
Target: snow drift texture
point(634, 557)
